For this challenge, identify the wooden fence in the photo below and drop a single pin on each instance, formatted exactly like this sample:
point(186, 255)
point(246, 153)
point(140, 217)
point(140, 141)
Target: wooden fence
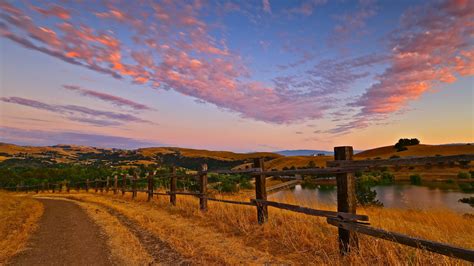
point(347, 220)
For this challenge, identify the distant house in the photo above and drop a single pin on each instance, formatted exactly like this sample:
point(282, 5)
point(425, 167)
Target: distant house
point(318, 154)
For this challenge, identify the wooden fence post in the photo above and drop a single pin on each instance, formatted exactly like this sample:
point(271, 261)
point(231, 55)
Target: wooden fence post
point(173, 185)
point(107, 185)
point(42, 187)
point(124, 183)
point(68, 187)
point(346, 198)
point(261, 191)
point(101, 185)
point(203, 188)
point(134, 185)
point(60, 189)
point(150, 186)
point(53, 186)
point(96, 188)
point(87, 185)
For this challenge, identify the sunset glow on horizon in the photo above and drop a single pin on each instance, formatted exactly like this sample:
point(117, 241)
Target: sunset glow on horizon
point(236, 75)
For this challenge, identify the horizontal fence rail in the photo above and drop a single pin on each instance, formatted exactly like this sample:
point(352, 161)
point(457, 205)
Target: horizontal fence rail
point(313, 212)
point(232, 201)
point(343, 167)
point(432, 246)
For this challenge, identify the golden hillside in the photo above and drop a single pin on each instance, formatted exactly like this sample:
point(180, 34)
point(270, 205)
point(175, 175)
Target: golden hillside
point(382, 152)
point(289, 161)
point(218, 155)
point(66, 152)
point(416, 150)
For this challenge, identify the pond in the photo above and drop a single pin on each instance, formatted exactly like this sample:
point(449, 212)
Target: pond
point(399, 195)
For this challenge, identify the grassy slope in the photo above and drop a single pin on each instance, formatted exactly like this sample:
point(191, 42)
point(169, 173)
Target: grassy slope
point(218, 155)
point(12, 149)
point(18, 218)
point(417, 150)
point(15, 149)
point(382, 152)
point(297, 161)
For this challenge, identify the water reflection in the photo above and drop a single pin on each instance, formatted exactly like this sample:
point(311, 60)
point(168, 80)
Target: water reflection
point(401, 195)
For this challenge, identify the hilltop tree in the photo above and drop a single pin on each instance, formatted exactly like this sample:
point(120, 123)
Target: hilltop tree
point(402, 143)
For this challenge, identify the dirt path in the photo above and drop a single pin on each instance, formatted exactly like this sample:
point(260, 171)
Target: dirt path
point(66, 236)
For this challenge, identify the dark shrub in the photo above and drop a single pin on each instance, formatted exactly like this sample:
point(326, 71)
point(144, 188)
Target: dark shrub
point(365, 195)
point(415, 179)
point(464, 175)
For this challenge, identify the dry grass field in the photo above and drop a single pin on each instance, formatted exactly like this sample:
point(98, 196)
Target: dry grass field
point(218, 155)
point(229, 234)
point(416, 150)
point(18, 219)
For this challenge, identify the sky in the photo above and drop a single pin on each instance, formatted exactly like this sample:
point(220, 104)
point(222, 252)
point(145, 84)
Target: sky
point(236, 75)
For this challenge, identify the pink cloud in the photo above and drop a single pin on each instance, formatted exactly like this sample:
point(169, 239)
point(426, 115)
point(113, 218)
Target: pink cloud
point(78, 113)
point(353, 24)
point(174, 49)
point(191, 62)
point(40, 137)
point(307, 7)
point(54, 10)
point(266, 6)
point(115, 100)
point(432, 46)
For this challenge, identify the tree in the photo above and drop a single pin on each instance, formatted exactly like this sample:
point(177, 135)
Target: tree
point(402, 143)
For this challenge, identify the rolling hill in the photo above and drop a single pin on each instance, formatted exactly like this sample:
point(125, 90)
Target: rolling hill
point(416, 150)
point(188, 158)
point(303, 152)
point(195, 153)
point(193, 158)
point(379, 153)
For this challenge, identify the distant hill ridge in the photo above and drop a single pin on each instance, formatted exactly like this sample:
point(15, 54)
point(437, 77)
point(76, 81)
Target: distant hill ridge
point(308, 152)
point(193, 158)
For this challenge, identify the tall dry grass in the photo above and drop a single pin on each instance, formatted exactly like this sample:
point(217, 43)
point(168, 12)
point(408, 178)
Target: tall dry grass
point(18, 219)
point(229, 234)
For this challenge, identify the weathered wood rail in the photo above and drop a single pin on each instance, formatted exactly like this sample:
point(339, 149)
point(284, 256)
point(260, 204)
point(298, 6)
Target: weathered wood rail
point(349, 223)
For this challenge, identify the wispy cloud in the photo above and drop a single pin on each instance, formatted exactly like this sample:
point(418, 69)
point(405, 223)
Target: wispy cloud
point(78, 113)
point(45, 138)
point(173, 48)
point(115, 100)
point(193, 62)
point(433, 45)
point(307, 7)
point(353, 24)
point(266, 6)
